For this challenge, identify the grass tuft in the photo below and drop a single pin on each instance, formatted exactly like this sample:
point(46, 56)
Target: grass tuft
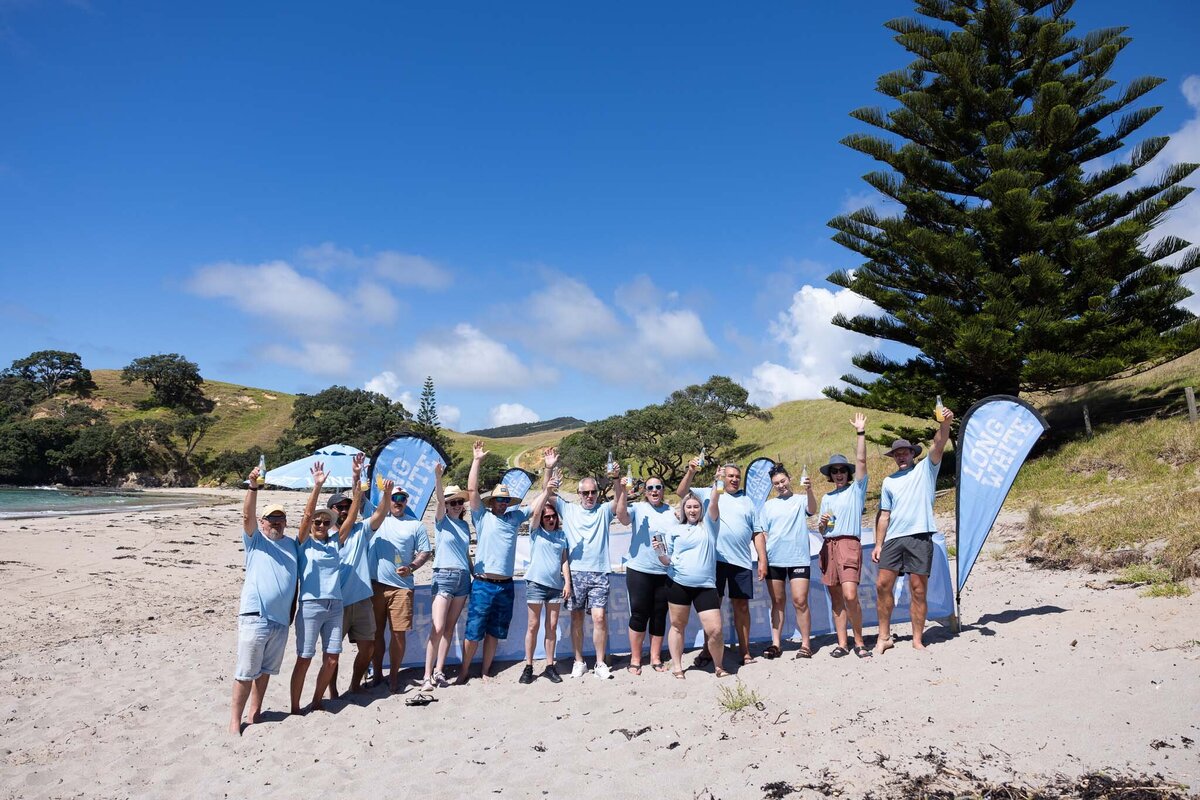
point(737, 698)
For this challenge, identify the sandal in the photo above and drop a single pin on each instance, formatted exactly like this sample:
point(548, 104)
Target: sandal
point(720, 673)
point(420, 700)
point(679, 674)
point(862, 652)
point(772, 652)
point(634, 669)
point(658, 666)
point(804, 652)
point(839, 652)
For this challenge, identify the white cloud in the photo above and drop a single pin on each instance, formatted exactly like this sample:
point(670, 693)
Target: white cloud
point(318, 358)
point(569, 312)
point(389, 384)
point(674, 334)
point(511, 414)
point(376, 303)
point(868, 198)
point(449, 415)
point(819, 353)
point(274, 292)
point(404, 269)
point(469, 359)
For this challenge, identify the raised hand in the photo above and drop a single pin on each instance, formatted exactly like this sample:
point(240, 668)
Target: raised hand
point(477, 451)
point(319, 475)
point(859, 422)
point(439, 468)
point(550, 457)
point(388, 486)
point(694, 463)
point(357, 463)
point(947, 416)
point(253, 477)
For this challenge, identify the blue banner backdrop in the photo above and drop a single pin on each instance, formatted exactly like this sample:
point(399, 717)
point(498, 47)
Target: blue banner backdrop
point(758, 480)
point(407, 459)
point(993, 442)
point(518, 481)
point(940, 596)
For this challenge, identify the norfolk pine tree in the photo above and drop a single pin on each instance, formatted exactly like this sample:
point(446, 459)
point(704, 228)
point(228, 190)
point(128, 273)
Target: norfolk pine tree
point(1018, 262)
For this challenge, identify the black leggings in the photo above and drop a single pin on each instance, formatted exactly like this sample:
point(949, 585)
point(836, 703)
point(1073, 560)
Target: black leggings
point(647, 601)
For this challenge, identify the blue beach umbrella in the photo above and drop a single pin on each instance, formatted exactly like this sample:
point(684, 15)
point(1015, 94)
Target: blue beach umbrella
point(338, 461)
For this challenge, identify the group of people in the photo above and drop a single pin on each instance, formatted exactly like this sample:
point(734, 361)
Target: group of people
point(355, 575)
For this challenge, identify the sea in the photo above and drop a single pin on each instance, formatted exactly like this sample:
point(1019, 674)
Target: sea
point(53, 501)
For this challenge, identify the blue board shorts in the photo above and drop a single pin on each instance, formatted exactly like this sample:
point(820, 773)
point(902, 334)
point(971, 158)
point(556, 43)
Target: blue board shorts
point(490, 609)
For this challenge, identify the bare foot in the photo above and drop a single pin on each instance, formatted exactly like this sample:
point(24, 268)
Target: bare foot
point(255, 716)
point(487, 678)
point(334, 694)
point(462, 678)
point(317, 706)
point(917, 645)
point(297, 710)
point(883, 645)
point(235, 728)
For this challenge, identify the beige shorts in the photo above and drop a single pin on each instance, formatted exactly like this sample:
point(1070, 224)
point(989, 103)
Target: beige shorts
point(394, 606)
point(358, 620)
point(841, 560)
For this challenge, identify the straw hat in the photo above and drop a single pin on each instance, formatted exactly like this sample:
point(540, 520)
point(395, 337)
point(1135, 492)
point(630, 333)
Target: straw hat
point(499, 492)
point(454, 492)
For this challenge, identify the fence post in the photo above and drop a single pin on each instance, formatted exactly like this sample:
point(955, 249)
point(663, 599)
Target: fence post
point(1087, 421)
point(1191, 401)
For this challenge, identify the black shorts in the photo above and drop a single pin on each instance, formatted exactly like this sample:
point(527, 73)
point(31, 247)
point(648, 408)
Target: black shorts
point(908, 555)
point(701, 598)
point(738, 580)
point(787, 573)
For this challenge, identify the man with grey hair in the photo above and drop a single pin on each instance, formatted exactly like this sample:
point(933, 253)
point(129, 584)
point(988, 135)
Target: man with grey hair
point(586, 524)
point(739, 539)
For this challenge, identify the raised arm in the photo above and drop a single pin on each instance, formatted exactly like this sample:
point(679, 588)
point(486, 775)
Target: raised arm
point(385, 504)
point(812, 498)
point(440, 513)
point(941, 437)
point(714, 512)
point(860, 446)
point(620, 496)
point(477, 454)
point(250, 505)
point(356, 495)
point(685, 485)
point(318, 475)
point(547, 495)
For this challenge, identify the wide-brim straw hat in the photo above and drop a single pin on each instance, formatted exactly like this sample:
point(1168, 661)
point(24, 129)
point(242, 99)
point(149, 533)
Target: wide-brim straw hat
point(899, 443)
point(323, 512)
point(454, 492)
point(837, 460)
point(498, 492)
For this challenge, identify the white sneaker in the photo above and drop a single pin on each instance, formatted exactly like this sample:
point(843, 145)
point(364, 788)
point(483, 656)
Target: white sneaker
point(602, 671)
point(578, 670)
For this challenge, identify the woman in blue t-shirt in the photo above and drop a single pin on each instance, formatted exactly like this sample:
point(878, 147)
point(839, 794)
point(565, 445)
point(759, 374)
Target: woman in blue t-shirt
point(690, 555)
point(320, 610)
point(451, 584)
point(547, 581)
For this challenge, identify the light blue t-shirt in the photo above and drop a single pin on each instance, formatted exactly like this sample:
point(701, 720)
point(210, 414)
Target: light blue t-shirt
point(785, 522)
point(648, 520)
point(453, 544)
point(356, 564)
point(587, 534)
point(320, 569)
point(396, 544)
point(546, 549)
point(496, 552)
point(271, 569)
point(908, 495)
point(693, 552)
point(738, 524)
point(847, 506)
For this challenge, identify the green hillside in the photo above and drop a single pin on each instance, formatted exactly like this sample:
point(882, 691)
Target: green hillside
point(246, 417)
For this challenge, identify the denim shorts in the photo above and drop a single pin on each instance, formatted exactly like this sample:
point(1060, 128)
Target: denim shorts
point(490, 610)
point(260, 647)
point(541, 593)
point(588, 590)
point(318, 618)
point(450, 582)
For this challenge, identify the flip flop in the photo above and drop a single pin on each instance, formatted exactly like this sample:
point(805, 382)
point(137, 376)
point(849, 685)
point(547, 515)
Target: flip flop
point(720, 673)
point(634, 669)
point(839, 652)
point(679, 674)
point(420, 700)
point(862, 652)
point(772, 652)
point(804, 652)
point(658, 666)
point(748, 659)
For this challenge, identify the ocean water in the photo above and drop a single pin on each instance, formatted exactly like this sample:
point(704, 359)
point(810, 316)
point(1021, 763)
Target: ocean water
point(51, 501)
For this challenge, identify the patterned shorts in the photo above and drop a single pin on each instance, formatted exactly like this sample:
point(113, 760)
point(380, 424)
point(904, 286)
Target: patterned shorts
point(588, 590)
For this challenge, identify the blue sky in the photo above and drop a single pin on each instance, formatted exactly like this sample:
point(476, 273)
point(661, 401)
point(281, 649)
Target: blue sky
point(553, 209)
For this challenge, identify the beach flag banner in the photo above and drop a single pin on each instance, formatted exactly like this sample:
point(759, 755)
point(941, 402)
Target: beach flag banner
point(995, 438)
point(518, 481)
point(758, 481)
point(408, 460)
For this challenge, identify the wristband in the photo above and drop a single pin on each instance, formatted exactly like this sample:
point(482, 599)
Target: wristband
point(861, 433)
point(252, 488)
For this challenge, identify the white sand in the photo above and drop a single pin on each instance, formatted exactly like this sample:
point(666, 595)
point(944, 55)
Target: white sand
point(115, 676)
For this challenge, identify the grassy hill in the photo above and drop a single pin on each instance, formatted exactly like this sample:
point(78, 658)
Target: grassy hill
point(528, 428)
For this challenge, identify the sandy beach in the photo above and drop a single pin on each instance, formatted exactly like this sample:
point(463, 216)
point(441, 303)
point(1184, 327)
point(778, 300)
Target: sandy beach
point(115, 674)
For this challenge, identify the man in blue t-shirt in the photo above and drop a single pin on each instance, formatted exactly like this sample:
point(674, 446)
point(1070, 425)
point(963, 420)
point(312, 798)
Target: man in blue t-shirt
point(268, 597)
point(904, 531)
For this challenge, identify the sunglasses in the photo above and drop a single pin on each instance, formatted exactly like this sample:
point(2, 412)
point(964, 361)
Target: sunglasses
point(455, 502)
point(276, 519)
point(322, 522)
point(342, 507)
point(657, 488)
point(838, 471)
point(399, 498)
point(588, 492)
point(503, 501)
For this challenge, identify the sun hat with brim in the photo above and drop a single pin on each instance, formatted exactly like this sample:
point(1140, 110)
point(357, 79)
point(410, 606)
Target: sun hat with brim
point(499, 492)
point(274, 508)
point(338, 497)
point(323, 512)
point(454, 492)
point(899, 443)
point(837, 460)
